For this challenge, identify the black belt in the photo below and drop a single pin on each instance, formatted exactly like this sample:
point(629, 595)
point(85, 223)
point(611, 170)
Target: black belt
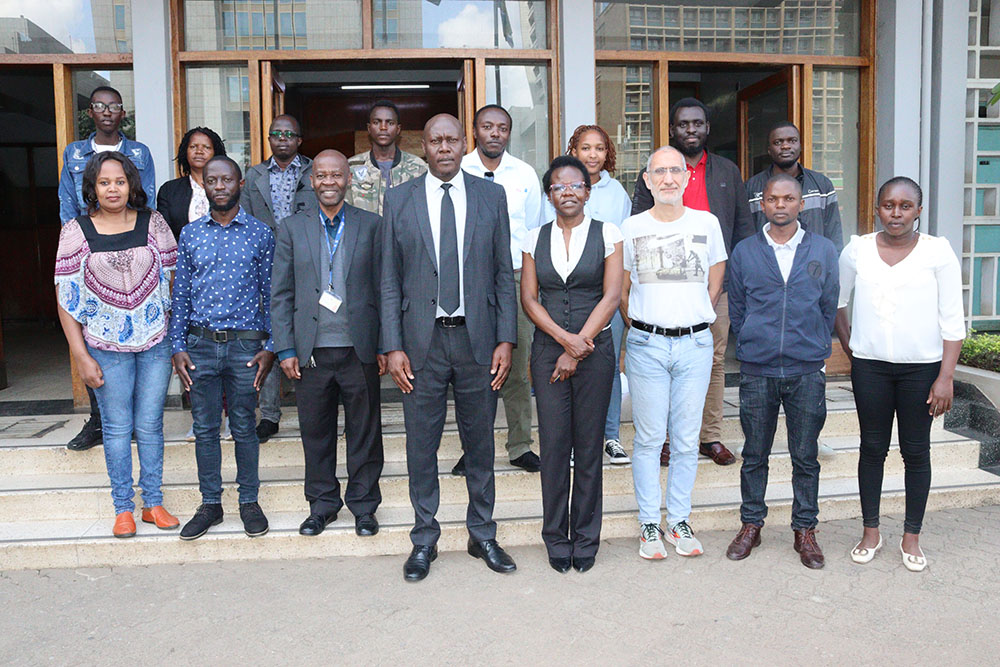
point(673, 333)
point(226, 336)
point(450, 322)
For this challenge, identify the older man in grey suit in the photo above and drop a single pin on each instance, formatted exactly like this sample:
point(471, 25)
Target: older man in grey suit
point(449, 316)
point(324, 314)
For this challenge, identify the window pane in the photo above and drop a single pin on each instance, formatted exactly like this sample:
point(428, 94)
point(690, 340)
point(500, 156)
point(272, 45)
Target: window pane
point(69, 26)
point(228, 113)
point(835, 137)
point(231, 25)
point(507, 24)
point(624, 110)
point(84, 83)
point(815, 27)
point(524, 93)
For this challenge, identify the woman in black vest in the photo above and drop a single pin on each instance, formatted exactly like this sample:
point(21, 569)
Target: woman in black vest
point(571, 284)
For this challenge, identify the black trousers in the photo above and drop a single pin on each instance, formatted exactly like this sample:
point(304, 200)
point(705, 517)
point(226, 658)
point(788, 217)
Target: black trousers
point(450, 361)
point(883, 390)
point(571, 416)
point(340, 377)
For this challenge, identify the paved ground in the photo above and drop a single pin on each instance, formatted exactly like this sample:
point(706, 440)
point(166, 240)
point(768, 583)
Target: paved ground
point(359, 611)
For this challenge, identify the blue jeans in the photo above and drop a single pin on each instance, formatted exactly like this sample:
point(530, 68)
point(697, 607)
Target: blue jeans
point(131, 401)
point(804, 400)
point(218, 367)
point(668, 379)
point(613, 422)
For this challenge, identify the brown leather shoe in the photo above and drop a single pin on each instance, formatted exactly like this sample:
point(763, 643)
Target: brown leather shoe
point(665, 455)
point(744, 542)
point(809, 552)
point(124, 525)
point(717, 452)
point(163, 519)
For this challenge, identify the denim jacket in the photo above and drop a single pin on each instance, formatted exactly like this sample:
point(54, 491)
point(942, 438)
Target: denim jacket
point(75, 158)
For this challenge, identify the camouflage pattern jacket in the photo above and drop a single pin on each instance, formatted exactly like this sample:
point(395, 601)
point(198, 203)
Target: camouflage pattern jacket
point(367, 189)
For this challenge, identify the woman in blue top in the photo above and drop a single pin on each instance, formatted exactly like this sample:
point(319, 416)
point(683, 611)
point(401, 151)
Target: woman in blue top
point(608, 202)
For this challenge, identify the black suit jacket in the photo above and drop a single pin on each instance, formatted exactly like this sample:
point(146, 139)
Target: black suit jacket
point(173, 201)
point(410, 277)
point(296, 283)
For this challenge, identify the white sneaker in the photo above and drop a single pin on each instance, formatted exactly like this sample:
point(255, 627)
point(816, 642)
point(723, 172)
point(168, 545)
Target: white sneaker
point(682, 537)
point(226, 434)
point(613, 448)
point(190, 434)
point(650, 545)
point(824, 450)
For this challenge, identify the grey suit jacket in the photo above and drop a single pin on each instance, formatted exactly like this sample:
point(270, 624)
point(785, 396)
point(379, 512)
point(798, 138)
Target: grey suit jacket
point(256, 196)
point(410, 279)
point(296, 283)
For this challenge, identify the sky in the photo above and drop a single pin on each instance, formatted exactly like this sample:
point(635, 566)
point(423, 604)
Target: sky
point(69, 21)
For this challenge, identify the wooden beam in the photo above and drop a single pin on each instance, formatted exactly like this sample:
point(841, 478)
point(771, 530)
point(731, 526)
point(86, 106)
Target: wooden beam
point(78, 59)
point(367, 25)
point(866, 121)
point(388, 55)
point(480, 81)
point(805, 121)
point(256, 133)
point(729, 58)
point(266, 106)
point(660, 99)
point(178, 74)
point(795, 94)
point(468, 108)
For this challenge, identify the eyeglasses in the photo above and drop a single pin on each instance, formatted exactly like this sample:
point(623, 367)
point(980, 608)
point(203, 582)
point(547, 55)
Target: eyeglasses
point(114, 107)
point(287, 134)
point(575, 187)
point(660, 172)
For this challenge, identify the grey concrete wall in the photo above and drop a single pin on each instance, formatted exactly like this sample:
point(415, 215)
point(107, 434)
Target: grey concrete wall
point(578, 74)
point(151, 65)
point(897, 98)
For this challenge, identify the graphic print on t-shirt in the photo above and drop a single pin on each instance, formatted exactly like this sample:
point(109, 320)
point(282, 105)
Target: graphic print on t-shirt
point(671, 258)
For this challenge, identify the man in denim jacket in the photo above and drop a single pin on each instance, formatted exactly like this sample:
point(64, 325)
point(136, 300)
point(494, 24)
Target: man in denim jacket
point(107, 111)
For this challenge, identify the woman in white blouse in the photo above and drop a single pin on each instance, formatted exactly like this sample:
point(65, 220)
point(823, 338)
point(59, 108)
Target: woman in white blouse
point(571, 281)
point(908, 327)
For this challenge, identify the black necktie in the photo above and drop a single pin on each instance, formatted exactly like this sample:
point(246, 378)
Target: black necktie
point(489, 175)
point(448, 274)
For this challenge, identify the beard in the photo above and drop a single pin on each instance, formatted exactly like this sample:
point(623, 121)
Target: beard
point(785, 164)
point(493, 155)
point(226, 205)
point(690, 151)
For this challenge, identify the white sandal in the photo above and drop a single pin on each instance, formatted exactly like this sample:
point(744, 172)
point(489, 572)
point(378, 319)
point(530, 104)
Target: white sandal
point(911, 562)
point(862, 555)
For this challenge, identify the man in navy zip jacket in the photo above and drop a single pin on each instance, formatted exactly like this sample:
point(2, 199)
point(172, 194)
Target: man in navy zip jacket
point(783, 288)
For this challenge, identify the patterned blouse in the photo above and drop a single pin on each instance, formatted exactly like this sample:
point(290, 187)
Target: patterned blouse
point(199, 201)
point(117, 285)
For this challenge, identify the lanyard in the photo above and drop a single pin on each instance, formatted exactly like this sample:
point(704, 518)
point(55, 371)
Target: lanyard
point(332, 249)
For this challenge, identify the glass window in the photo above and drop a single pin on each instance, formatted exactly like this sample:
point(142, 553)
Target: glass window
point(835, 137)
point(216, 25)
point(487, 24)
point(813, 27)
point(228, 114)
point(69, 26)
point(624, 110)
point(84, 83)
point(524, 93)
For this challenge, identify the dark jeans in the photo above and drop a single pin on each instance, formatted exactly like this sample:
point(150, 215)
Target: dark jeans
point(223, 367)
point(883, 390)
point(804, 400)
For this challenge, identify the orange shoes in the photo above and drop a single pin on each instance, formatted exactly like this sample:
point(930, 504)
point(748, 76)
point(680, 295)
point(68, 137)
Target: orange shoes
point(124, 525)
point(163, 519)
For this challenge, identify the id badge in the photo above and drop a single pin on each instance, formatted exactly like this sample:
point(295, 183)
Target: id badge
point(330, 301)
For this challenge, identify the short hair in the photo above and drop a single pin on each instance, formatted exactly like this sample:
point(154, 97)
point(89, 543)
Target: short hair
point(781, 124)
point(560, 162)
point(384, 104)
point(782, 177)
point(218, 147)
point(668, 148)
point(609, 159)
point(136, 195)
point(104, 89)
point(227, 159)
point(902, 180)
point(687, 103)
point(487, 107)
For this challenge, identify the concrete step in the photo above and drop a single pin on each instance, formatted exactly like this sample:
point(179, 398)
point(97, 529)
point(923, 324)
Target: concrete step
point(32, 456)
point(87, 495)
point(87, 542)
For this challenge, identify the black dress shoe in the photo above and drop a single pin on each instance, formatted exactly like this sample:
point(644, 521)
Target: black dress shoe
point(560, 565)
point(529, 461)
point(89, 436)
point(366, 525)
point(204, 518)
point(459, 468)
point(494, 555)
point(316, 523)
point(418, 564)
point(254, 522)
point(583, 564)
point(265, 429)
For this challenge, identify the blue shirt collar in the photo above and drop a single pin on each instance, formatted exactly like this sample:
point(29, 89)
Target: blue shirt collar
point(240, 219)
point(336, 219)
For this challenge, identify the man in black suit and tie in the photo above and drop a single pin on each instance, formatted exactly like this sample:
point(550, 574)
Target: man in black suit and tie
point(449, 316)
point(325, 319)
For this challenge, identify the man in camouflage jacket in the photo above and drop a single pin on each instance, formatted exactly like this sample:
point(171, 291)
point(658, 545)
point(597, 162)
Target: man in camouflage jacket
point(385, 165)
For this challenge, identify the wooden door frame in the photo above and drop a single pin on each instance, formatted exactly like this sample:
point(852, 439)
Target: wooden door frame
point(789, 76)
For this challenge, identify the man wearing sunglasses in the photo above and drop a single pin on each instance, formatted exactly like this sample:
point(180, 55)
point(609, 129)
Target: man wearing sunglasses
point(107, 112)
point(275, 189)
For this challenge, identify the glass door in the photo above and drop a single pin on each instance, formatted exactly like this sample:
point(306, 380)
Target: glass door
point(761, 105)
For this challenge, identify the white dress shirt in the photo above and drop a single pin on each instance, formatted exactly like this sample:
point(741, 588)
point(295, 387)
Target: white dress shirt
point(524, 196)
point(434, 195)
point(564, 261)
point(785, 252)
